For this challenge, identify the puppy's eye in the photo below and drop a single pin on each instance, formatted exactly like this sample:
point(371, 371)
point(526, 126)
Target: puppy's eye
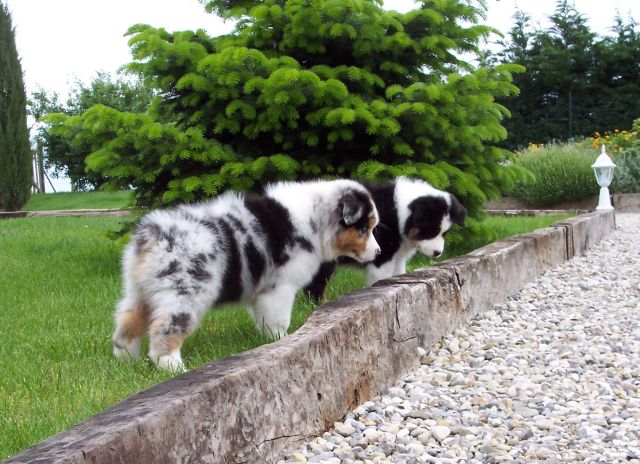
point(364, 230)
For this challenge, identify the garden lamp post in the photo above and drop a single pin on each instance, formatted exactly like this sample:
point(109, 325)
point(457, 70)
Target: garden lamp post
point(603, 167)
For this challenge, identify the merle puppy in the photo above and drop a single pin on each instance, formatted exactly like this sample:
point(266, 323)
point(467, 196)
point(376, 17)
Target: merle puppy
point(255, 249)
point(414, 216)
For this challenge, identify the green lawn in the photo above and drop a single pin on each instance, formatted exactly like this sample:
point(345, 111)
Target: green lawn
point(79, 200)
point(59, 283)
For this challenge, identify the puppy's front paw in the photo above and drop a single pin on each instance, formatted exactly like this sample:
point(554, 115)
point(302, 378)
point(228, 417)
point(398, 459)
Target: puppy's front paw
point(276, 332)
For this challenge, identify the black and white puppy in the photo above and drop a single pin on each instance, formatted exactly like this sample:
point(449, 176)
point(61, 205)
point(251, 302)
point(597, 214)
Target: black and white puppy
point(414, 216)
point(255, 249)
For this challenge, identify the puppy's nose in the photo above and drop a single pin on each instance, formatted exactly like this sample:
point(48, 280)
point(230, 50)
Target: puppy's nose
point(378, 251)
point(437, 253)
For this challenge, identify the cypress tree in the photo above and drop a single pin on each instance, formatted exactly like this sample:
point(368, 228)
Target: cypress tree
point(15, 149)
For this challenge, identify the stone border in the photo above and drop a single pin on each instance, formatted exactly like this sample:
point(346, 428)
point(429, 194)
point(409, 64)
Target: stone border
point(67, 212)
point(627, 202)
point(623, 202)
point(534, 212)
point(259, 405)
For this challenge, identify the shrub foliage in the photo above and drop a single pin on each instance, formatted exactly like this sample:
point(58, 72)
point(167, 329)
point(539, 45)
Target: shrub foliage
point(304, 89)
point(561, 172)
point(626, 176)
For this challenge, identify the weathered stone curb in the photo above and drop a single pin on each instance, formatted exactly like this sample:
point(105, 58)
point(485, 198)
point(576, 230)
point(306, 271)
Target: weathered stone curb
point(257, 406)
point(535, 212)
point(623, 203)
point(627, 202)
point(69, 212)
point(12, 214)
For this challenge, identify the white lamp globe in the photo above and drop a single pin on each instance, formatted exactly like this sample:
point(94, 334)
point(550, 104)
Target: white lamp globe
point(603, 168)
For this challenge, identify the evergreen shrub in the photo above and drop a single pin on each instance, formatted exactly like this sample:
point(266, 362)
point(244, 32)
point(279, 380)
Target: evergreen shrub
point(561, 172)
point(305, 89)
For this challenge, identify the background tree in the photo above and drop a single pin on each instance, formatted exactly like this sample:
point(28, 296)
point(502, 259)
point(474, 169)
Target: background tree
point(15, 149)
point(66, 159)
point(617, 77)
point(304, 89)
point(574, 84)
point(566, 59)
point(525, 106)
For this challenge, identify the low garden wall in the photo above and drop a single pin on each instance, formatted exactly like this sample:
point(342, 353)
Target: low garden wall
point(61, 213)
point(623, 202)
point(629, 202)
point(258, 405)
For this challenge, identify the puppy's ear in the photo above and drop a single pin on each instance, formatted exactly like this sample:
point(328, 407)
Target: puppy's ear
point(351, 208)
point(458, 212)
point(423, 209)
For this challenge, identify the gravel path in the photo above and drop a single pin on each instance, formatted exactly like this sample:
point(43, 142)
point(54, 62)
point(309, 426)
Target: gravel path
point(552, 375)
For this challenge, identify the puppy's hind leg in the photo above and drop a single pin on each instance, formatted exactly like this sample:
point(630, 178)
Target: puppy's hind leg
point(132, 322)
point(272, 310)
point(167, 332)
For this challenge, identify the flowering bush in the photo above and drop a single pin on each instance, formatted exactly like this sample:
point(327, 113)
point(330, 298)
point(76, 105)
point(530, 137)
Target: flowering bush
point(616, 140)
point(624, 148)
